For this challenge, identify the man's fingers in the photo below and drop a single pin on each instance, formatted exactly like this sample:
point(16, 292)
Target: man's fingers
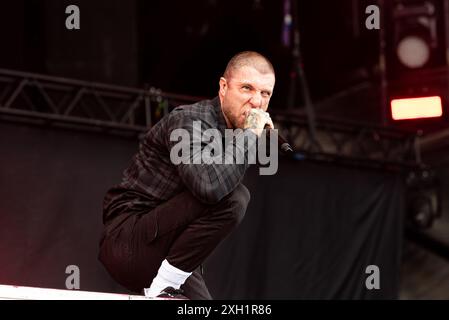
point(258, 119)
point(269, 121)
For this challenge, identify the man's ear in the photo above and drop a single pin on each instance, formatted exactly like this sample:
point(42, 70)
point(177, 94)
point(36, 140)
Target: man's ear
point(223, 86)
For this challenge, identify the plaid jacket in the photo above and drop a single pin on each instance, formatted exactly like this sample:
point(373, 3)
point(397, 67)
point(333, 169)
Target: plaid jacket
point(152, 178)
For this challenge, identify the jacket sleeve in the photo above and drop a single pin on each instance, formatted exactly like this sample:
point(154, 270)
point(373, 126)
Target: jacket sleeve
point(210, 176)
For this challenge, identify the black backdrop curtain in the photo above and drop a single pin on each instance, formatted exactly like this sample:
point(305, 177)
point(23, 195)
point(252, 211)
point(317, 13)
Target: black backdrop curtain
point(309, 233)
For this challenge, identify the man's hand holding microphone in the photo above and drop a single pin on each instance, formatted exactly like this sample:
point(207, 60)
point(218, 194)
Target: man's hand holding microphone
point(257, 120)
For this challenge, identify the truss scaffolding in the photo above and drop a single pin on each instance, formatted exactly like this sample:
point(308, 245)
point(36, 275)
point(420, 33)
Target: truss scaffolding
point(131, 111)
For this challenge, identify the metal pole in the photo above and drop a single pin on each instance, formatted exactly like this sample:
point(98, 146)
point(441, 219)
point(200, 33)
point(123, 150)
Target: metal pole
point(300, 75)
point(446, 44)
point(382, 66)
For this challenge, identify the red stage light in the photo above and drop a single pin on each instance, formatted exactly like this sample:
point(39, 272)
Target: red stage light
point(416, 108)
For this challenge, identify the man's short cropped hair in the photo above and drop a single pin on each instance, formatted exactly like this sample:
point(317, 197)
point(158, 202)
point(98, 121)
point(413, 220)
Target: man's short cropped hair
point(248, 58)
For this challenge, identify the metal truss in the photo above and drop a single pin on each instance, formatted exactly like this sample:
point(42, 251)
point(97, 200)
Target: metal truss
point(123, 110)
point(350, 143)
point(55, 100)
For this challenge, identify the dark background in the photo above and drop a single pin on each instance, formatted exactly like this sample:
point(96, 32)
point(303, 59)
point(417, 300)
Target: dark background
point(183, 47)
point(53, 180)
point(292, 244)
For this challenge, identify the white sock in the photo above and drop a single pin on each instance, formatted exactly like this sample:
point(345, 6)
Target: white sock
point(167, 276)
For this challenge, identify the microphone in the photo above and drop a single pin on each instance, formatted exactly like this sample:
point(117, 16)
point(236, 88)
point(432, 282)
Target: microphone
point(283, 145)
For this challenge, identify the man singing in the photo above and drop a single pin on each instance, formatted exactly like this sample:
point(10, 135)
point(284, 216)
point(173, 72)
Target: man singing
point(164, 219)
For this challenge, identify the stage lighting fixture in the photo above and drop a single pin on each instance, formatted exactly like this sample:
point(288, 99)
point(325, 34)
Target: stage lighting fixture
point(423, 199)
point(416, 81)
point(420, 212)
point(413, 51)
point(416, 108)
point(415, 33)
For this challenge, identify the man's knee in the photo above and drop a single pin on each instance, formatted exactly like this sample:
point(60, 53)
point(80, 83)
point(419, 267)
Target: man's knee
point(237, 202)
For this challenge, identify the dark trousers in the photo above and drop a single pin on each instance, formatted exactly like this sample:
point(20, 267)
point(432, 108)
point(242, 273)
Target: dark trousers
point(182, 230)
